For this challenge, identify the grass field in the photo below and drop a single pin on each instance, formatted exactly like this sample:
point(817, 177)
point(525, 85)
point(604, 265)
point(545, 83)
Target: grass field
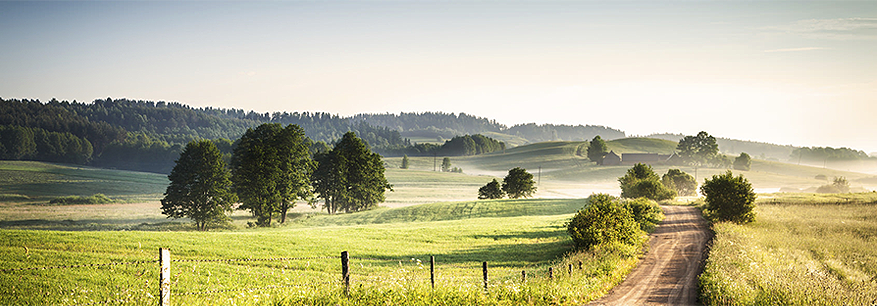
point(802, 250)
point(22, 181)
point(513, 236)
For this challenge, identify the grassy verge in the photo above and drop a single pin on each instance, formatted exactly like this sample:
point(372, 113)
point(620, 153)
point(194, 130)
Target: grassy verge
point(512, 236)
point(802, 250)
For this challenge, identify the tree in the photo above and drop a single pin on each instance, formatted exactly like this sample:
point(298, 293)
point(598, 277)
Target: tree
point(604, 220)
point(838, 185)
point(597, 149)
point(350, 176)
point(519, 184)
point(641, 181)
point(698, 150)
point(683, 183)
point(446, 164)
point(271, 169)
point(296, 167)
point(729, 198)
point(200, 186)
point(404, 161)
point(491, 191)
point(743, 162)
point(841, 183)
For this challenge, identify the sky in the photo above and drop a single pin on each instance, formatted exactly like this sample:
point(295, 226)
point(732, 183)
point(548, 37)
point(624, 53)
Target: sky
point(787, 72)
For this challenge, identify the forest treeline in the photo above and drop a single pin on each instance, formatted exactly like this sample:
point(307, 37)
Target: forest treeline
point(828, 154)
point(148, 136)
point(448, 125)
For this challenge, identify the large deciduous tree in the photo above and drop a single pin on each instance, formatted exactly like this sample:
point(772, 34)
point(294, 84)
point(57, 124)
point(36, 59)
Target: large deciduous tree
point(200, 187)
point(698, 150)
point(597, 150)
point(271, 170)
point(350, 177)
point(519, 183)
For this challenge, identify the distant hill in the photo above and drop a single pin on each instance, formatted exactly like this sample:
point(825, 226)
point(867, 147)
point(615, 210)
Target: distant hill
point(447, 125)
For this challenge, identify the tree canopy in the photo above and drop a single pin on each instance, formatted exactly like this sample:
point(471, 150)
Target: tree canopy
point(597, 149)
point(519, 184)
point(491, 191)
point(698, 150)
point(271, 169)
point(200, 186)
point(743, 162)
point(350, 177)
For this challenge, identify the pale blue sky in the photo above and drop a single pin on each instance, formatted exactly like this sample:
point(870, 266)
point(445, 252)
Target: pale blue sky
point(788, 72)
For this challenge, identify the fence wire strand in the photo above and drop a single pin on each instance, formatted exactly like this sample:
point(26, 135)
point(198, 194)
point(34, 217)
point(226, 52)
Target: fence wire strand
point(82, 266)
point(254, 259)
point(251, 289)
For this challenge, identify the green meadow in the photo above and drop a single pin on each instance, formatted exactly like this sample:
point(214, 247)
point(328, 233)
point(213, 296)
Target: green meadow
point(802, 250)
point(511, 235)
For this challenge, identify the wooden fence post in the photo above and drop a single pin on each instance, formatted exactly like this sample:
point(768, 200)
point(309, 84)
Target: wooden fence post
point(551, 273)
point(484, 269)
point(345, 272)
point(164, 283)
point(432, 271)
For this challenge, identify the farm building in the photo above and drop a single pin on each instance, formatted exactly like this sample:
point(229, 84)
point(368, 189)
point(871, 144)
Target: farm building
point(611, 159)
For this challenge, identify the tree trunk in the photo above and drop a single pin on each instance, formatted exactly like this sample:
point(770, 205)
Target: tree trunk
point(283, 208)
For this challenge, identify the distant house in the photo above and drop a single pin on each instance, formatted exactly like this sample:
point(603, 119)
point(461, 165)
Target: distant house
point(611, 159)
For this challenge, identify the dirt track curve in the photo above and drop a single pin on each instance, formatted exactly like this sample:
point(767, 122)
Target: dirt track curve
point(668, 273)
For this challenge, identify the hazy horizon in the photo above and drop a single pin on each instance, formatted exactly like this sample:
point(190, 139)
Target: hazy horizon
point(784, 72)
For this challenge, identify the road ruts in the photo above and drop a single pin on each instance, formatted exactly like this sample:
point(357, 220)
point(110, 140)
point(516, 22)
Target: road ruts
point(668, 274)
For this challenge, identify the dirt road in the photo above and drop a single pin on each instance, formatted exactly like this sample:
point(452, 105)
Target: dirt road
point(668, 274)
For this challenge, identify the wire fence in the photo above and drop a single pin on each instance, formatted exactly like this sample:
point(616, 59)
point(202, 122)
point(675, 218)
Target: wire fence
point(207, 277)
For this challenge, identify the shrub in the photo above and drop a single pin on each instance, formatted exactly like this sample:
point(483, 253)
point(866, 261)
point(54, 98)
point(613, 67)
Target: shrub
point(98, 198)
point(650, 189)
point(604, 220)
point(641, 181)
point(645, 212)
point(729, 198)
